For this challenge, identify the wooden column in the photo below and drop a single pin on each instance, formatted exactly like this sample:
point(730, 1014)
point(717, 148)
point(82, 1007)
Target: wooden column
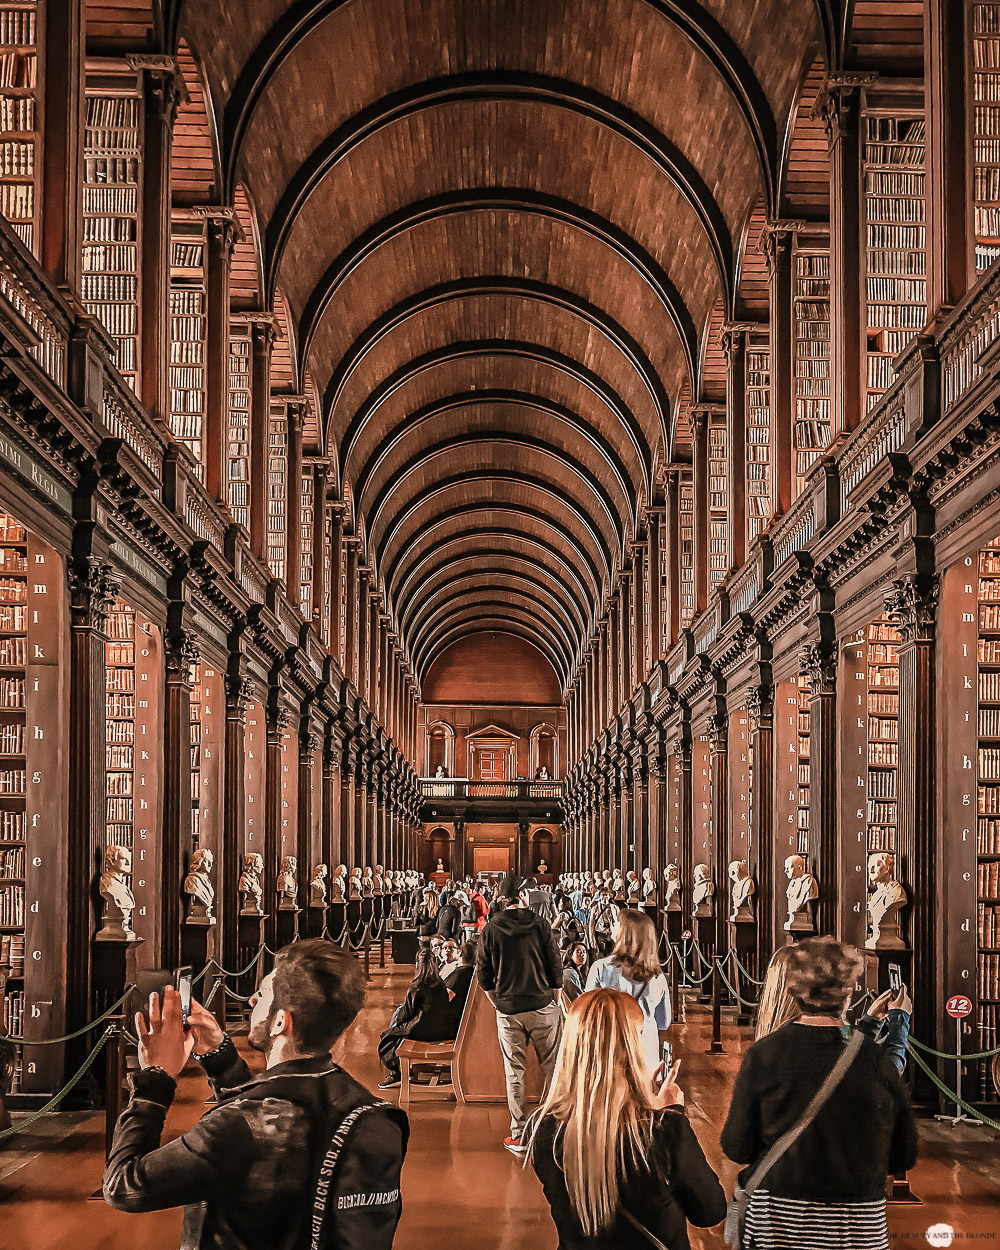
point(239, 693)
point(61, 215)
point(364, 617)
point(350, 620)
point(682, 749)
point(734, 345)
point(657, 814)
point(293, 533)
point(348, 774)
point(911, 602)
point(336, 587)
point(718, 737)
point(627, 626)
point(321, 536)
point(699, 423)
point(653, 590)
point(840, 107)
point(672, 526)
point(639, 833)
point(278, 720)
point(263, 335)
point(640, 661)
point(760, 707)
point(778, 242)
point(614, 656)
point(93, 587)
point(309, 744)
point(181, 652)
point(223, 231)
point(163, 90)
point(951, 235)
point(819, 662)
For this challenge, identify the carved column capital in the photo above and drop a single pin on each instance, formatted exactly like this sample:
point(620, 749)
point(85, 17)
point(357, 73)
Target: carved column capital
point(911, 603)
point(181, 653)
point(718, 733)
point(838, 104)
point(760, 706)
point(94, 586)
point(819, 663)
point(239, 696)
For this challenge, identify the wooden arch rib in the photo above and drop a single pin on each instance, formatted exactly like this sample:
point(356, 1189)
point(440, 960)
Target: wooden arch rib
point(425, 514)
point(472, 586)
point(528, 613)
point(460, 203)
point(434, 549)
point(491, 561)
point(696, 24)
point(530, 403)
point(496, 349)
point(610, 539)
point(528, 288)
point(528, 88)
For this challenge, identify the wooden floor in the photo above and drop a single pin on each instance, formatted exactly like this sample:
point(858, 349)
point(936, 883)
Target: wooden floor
point(457, 1178)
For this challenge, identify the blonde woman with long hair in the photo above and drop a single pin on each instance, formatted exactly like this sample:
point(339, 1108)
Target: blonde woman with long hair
point(775, 1006)
point(634, 968)
point(618, 1161)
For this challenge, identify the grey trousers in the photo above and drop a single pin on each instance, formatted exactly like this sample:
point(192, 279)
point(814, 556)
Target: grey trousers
point(543, 1030)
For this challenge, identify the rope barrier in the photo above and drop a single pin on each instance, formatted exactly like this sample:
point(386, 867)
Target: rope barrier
point(243, 971)
point(54, 1041)
point(239, 997)
point(744, 1002)
point(56, 1099)
point(752, 980)
point(212, 993)
point(959, 1102)
point(689, 977)
point(940, 1054)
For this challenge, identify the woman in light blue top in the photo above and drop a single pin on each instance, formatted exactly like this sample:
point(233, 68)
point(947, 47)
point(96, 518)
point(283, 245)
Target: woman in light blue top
point(633, 967)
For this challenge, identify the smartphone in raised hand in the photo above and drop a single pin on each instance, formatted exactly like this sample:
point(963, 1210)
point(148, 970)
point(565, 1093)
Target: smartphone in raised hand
point(183, 981)
point(895, 979)
point(667, 1055)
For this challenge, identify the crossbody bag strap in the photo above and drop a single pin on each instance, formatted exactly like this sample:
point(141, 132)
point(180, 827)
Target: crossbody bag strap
point(650, 1237)
point(818, 1099)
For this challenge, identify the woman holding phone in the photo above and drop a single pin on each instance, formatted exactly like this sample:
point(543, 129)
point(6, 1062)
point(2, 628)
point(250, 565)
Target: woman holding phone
point(619, 1163)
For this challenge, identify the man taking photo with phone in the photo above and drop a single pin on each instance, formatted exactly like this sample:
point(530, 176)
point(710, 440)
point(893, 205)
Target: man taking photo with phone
point(297, 1156)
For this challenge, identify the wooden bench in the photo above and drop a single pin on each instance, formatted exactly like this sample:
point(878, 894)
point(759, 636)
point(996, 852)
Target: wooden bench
point(473, 1060)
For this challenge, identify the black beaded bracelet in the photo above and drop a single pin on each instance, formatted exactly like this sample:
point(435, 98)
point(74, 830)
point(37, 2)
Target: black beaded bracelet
point(211, 1053)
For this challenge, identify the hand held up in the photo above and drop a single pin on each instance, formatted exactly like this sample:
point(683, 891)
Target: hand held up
point(666, 1091)
point(164, 1042)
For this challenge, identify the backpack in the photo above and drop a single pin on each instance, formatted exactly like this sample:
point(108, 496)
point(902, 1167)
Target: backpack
point(354, 1195)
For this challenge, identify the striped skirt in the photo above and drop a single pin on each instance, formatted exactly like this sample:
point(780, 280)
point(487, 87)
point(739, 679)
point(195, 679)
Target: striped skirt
point(774, 1223)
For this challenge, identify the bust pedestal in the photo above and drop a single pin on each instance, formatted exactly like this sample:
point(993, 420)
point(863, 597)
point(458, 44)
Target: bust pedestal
point(674, 921)
point(199, 943)
point(743, 937)
point(704, 931)
point(876, 974)
point(249, 940)
point(354, 925)
point(287, 924)
point(336, 919)
point(316, 917)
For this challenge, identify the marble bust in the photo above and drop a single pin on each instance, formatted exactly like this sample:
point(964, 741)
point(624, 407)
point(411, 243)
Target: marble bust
point(199, 889)
point(338, 884)
point(648, 884)
point(741, 892)
point(119, 901)
point(542, 867)
point(886, 901)
point(367, 883)
point(317, 886)
point(249, 886)
point(287, 885)
point(631, 884)
point(802, 891)
point(440, 866)
point(354, 885)
point(378, 881)
point(704, 888)
point(672, 876)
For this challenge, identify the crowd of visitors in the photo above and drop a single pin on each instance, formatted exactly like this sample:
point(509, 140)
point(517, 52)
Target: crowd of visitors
point(819, 1116)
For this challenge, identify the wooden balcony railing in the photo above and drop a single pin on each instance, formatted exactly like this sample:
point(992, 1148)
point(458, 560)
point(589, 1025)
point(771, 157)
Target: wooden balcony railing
point(970, 329)
point(464, 788)
point(45, 316)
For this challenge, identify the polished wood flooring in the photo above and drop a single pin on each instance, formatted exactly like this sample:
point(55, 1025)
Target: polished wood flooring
point(458, 1180)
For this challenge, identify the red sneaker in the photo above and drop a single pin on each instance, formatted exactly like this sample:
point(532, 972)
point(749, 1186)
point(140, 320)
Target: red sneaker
point(513, 1144)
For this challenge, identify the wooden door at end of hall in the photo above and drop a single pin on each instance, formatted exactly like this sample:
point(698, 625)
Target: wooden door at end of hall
point(490, 859)
point(493, 763)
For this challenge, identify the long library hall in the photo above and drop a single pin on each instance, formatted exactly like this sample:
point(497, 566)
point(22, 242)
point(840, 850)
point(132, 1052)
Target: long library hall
point(499, 594)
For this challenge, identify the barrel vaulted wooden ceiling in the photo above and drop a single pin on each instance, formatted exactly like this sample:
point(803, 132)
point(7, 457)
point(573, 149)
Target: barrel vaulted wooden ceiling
point(503, 236)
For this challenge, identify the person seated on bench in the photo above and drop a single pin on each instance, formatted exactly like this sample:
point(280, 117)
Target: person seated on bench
point(457, 984)
point(425, 1015)
point(450, 958)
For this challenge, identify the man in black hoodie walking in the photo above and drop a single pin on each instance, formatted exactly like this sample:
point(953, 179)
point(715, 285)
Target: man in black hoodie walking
point(521, 973)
